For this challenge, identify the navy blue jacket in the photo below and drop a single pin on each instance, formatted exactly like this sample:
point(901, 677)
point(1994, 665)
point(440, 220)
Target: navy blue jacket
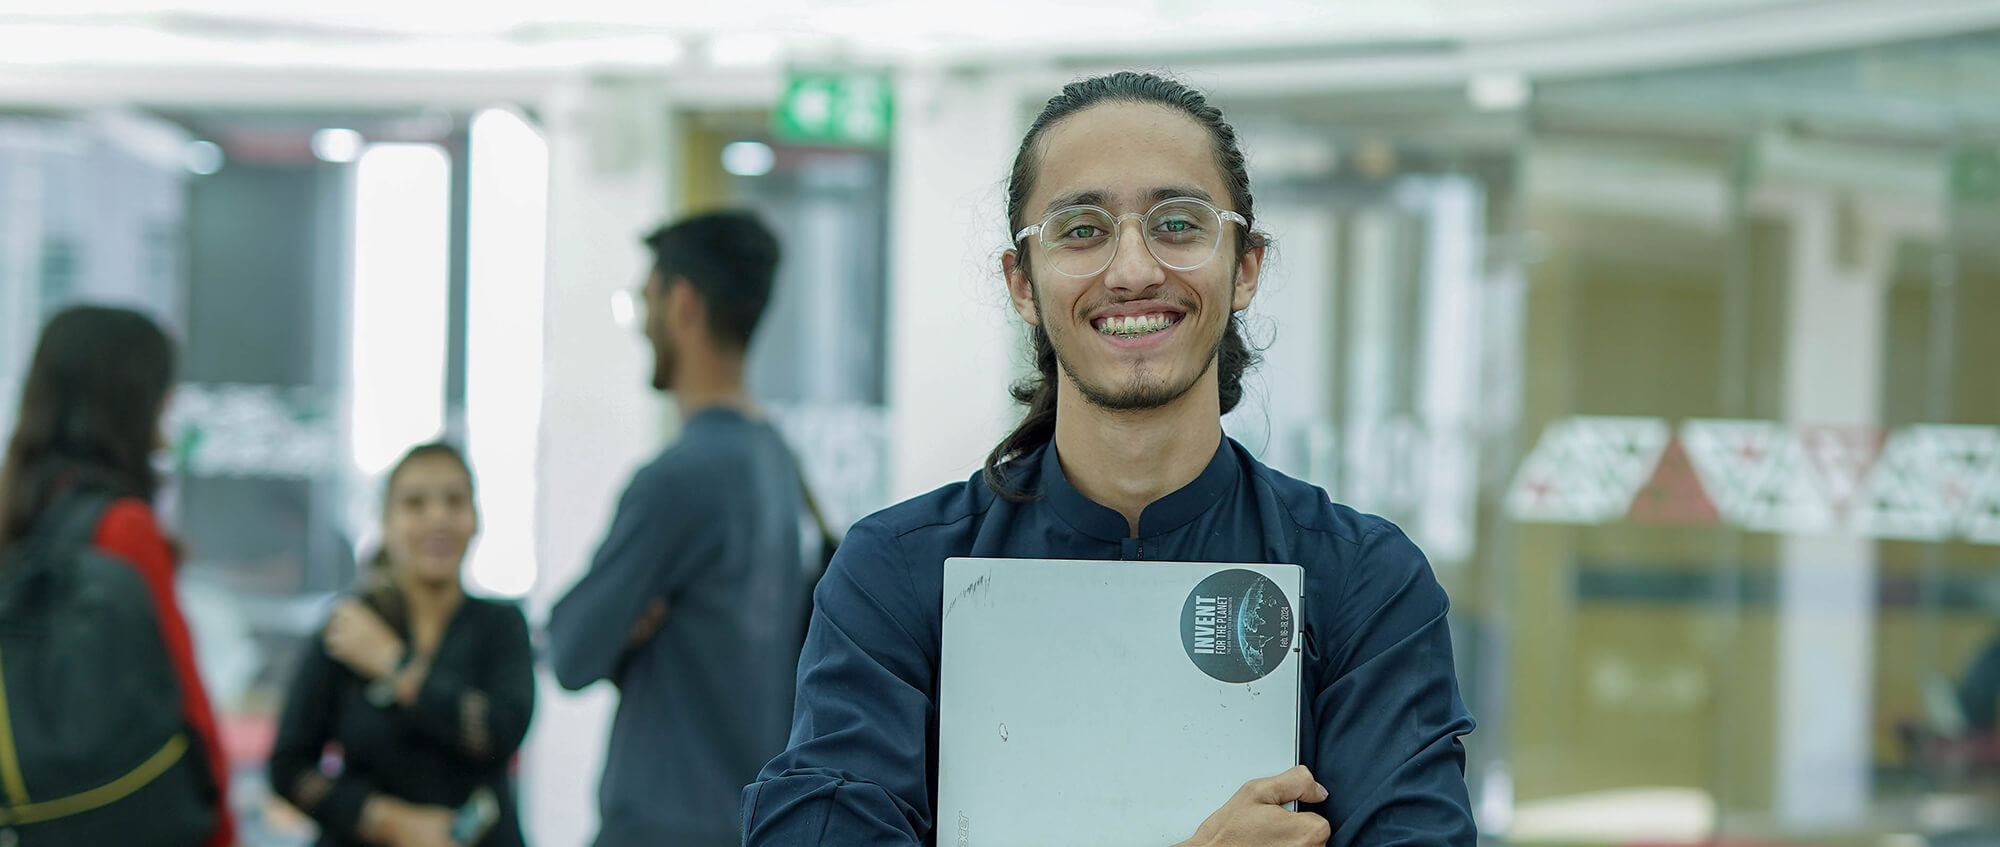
point(1383, 714)
point(711, 527)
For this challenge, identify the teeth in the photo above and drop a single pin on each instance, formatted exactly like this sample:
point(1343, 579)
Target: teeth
point(1129, 325)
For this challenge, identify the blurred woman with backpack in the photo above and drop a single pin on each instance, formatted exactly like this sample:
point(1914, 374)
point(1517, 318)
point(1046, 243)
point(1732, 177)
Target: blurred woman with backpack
point(106, 734)
point(427, 691)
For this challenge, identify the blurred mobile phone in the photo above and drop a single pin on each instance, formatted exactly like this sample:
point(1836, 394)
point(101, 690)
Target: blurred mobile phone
point(476, 818)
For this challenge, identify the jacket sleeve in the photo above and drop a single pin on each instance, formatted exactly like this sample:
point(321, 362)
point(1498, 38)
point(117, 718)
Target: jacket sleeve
point(482, 715)
point(858, 769)
point(647, 555)
point(304, 728)
point(1390, 718)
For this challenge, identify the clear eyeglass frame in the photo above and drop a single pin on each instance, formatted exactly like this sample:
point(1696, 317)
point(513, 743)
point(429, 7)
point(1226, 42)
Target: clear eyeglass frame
point(1118, 223)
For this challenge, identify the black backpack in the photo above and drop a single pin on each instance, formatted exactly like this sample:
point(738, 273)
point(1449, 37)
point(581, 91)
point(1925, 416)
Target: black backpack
point(94, 749)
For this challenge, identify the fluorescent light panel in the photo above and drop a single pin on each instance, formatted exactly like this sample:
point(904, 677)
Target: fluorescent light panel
point(506, 247)
point(402, 226)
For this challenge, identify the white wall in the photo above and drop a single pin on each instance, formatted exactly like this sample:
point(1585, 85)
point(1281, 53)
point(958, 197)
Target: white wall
point(953, 337)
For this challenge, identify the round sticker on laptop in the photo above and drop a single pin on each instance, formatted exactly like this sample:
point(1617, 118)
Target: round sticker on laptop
point(1237, 625)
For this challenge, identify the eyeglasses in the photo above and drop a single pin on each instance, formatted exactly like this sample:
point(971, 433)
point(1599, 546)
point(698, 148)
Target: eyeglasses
point(1181, 232)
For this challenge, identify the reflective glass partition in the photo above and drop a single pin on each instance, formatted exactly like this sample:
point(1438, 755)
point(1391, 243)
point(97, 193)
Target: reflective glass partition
point(1681, 380)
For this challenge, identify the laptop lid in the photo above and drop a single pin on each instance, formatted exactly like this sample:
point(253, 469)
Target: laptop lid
point(1108, 703)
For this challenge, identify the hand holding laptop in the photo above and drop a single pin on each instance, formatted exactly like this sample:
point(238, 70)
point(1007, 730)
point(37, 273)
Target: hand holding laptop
point(1257, 815)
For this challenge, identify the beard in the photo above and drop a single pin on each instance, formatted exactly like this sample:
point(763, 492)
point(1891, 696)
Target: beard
point(663, 362)
point(663, 374)
point(1138, 393)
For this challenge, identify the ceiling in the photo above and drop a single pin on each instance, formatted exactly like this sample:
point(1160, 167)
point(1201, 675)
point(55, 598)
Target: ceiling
point(509, 34)
point(67, 53)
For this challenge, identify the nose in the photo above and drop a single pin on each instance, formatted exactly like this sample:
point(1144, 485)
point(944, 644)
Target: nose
point(1133, 268)
point(436, 513)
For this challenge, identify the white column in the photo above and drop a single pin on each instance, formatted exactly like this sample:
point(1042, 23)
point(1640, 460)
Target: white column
point(954, 341)
point(1448, 396)
point(1368, 434)
point(507, 268)
point(1826, 587)
point(609, 155)
point(1286, 398)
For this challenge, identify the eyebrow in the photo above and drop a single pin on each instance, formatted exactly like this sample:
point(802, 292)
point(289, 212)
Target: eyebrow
point(1097, 197)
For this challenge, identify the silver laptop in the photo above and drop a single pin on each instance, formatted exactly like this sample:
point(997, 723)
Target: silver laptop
point(1103, 703)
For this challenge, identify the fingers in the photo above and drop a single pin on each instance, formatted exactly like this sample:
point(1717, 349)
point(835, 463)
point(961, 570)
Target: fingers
point(1317, 829)
point(337, 631)
point(345, 618)
point(352, 621)
point(359, 638)
point(1256, 814)
point(648, 623)
point(1293, 785)
point(345, 621)
point(353, 612)
point(347, 610)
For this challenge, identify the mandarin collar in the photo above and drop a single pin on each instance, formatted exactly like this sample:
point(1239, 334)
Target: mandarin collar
point(1159, 517)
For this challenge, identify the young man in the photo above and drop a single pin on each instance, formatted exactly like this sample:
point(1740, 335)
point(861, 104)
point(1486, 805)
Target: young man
point(692, 604)
point(1136, 250)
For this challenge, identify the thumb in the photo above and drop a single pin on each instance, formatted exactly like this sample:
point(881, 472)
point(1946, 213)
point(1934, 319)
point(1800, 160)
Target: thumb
point(1292, 785)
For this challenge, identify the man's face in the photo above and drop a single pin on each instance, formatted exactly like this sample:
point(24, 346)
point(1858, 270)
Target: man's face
point(1126, 157)
point(657, 333)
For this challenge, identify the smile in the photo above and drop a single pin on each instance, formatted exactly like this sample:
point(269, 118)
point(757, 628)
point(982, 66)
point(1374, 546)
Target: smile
point(1134, 326)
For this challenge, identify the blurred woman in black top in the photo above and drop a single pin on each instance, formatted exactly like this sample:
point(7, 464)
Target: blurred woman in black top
point(426, 691)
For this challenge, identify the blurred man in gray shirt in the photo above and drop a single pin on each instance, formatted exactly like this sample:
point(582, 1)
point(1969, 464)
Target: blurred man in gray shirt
point(694, 602)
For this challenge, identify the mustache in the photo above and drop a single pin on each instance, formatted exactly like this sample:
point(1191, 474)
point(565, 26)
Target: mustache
point(1174, 300)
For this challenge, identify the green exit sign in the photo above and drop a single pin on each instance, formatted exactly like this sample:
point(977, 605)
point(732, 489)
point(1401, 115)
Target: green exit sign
point(836, 108)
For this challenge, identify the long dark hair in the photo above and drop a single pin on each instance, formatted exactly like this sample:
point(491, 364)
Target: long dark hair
point(89, 413)
point(1037, 391)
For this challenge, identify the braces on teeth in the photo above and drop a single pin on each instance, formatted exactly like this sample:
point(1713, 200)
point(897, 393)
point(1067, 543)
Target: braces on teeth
point(1133, 325)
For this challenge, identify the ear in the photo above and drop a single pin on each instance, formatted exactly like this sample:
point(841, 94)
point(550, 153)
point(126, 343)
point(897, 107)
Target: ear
point(1019, 289)
point(684, 307)
point(1247, 269)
